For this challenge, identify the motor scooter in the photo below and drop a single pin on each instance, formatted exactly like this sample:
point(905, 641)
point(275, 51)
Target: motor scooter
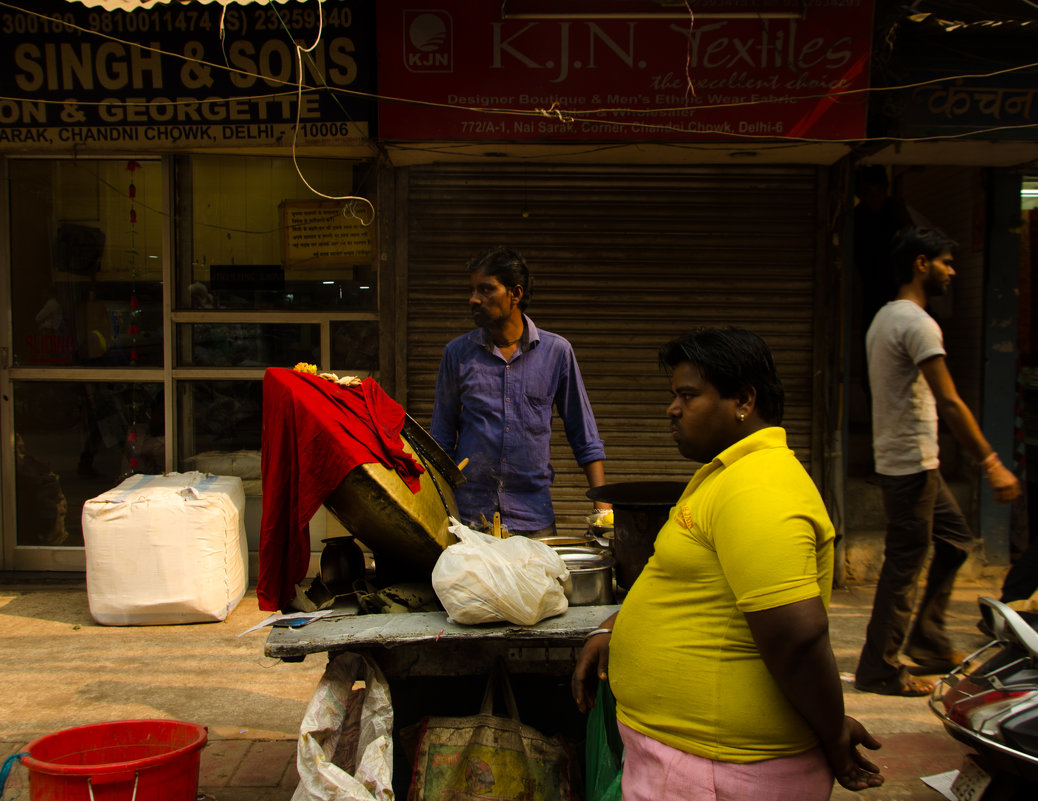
point(990, 703)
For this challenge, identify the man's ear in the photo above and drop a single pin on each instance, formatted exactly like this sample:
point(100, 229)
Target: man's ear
point(746, 400)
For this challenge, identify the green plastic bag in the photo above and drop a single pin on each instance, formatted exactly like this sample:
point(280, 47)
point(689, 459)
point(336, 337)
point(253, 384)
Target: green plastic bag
point(604, 749)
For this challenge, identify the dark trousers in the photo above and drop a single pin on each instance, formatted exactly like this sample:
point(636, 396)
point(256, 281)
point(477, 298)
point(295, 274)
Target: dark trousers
point(1021, 581)
point(919, 509)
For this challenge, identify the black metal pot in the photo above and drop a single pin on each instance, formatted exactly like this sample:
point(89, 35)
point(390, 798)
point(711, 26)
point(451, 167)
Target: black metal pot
point(640, 509)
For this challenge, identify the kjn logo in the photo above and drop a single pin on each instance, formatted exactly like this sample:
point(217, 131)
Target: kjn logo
point(428, 41)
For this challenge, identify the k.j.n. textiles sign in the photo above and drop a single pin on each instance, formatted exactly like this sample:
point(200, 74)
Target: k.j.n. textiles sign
point(184, 74)
point(462, 70)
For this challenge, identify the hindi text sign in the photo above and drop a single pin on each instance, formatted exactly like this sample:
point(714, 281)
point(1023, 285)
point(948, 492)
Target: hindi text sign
point(320, 234)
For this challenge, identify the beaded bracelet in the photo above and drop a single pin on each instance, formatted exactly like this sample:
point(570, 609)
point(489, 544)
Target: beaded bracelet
point(990, 462)
point(597, 631)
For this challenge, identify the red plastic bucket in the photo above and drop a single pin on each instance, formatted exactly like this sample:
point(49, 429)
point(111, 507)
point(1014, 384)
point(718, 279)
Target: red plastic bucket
point(145, 760)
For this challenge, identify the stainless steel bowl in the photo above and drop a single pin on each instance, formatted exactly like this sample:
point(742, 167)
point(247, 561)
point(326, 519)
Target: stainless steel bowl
point(590, 579)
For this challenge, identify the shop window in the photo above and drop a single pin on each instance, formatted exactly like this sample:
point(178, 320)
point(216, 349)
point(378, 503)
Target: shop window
point(217, 418)
point(86, 248)
point(261, 238)
point(220, 344)
point(265, 272)
point(355, 347)
point(75, 440)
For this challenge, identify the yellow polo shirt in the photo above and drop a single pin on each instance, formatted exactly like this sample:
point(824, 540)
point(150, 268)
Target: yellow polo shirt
point(749, 533)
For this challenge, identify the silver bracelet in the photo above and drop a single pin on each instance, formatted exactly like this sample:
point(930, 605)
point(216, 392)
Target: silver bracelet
point(597, 631)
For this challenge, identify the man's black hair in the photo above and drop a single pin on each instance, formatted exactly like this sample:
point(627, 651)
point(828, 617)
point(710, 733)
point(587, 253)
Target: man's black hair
point(730, 359)
point(910, 243)
point(508, 267)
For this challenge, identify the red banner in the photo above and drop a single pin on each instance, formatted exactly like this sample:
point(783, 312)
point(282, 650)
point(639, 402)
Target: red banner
point(458, 70)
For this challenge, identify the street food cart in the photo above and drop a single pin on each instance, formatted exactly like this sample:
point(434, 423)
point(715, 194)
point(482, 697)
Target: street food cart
point(346, 445)
point(434, 666)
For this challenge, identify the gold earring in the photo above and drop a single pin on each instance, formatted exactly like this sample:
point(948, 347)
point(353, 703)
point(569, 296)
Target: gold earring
point(742, 418)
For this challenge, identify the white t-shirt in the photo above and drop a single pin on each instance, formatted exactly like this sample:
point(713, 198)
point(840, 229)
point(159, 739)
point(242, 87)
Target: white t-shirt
point(904, 412)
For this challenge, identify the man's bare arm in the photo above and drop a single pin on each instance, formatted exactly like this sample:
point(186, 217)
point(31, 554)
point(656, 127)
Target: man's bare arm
point(956, 414)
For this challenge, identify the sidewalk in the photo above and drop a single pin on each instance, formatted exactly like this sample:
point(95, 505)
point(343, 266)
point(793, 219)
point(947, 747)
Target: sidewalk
point(59, 669)
point(914, 742)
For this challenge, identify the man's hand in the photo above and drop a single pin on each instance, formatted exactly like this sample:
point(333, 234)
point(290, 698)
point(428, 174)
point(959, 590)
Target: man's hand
point(1005, 485)
point(592, 662)
point(851, 768)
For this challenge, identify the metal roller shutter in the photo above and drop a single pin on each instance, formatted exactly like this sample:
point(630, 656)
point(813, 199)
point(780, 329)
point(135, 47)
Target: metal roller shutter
point(623, 259)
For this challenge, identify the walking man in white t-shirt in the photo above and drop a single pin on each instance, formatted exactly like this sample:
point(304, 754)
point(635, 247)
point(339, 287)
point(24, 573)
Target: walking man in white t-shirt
point(911, 386)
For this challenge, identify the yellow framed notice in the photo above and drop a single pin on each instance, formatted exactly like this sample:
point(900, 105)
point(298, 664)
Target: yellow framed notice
point(319, 234)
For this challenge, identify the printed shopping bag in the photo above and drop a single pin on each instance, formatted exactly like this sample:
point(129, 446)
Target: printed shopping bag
point(488, 756)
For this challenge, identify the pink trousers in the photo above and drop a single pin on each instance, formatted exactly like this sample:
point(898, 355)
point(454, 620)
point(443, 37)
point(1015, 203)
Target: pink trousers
point(653, 771)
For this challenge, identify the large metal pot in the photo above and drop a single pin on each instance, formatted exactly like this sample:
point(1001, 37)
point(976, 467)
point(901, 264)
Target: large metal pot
point(640, 509)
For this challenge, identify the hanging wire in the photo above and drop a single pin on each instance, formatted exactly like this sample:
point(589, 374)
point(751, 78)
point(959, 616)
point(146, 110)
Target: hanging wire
point(351, 200)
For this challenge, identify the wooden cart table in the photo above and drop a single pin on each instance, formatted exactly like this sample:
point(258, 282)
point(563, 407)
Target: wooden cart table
point(437, 667)
point(430, 644)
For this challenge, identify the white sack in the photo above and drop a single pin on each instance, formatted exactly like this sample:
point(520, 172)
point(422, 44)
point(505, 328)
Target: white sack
point(346, 729)
point(483, 579)
point(166, 549)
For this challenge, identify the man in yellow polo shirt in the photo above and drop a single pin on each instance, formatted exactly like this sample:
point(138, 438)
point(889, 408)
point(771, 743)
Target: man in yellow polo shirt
point(725, 681)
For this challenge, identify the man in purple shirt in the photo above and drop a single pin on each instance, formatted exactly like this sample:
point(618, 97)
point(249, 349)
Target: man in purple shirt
point(494, 397)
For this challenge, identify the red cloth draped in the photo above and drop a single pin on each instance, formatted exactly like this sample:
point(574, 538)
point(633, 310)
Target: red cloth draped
point(315, 432)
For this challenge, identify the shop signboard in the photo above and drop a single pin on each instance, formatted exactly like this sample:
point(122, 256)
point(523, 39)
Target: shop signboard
point(775, 69)
point(949, 88)
point(185, 75)
point(1001, 108)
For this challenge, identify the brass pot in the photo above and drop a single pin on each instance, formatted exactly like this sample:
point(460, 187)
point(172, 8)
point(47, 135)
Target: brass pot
point(405, 531)
point(557, 542)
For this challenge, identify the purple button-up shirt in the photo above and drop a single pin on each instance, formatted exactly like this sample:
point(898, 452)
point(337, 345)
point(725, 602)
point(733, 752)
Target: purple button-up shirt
point(498, 415)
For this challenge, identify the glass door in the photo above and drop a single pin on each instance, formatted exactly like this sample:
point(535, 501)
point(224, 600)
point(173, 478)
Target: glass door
point(83, 394)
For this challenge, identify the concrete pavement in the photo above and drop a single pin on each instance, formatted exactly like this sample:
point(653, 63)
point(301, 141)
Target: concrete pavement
point(59, 669)
point(914, 742)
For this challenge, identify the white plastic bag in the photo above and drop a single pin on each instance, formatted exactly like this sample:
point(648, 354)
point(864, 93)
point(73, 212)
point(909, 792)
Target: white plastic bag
point(345, 750)
point(482, 579)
